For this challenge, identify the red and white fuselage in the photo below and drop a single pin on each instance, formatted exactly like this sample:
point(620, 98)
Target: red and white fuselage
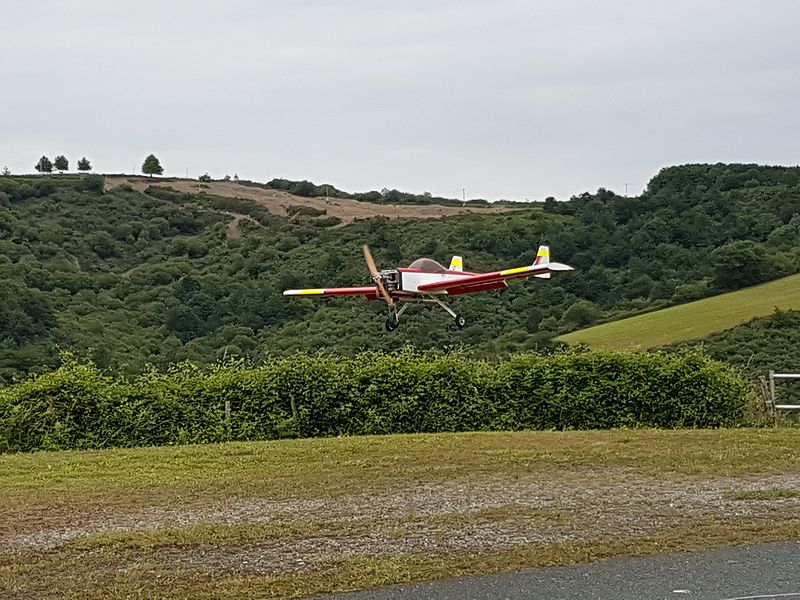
point(427, 279)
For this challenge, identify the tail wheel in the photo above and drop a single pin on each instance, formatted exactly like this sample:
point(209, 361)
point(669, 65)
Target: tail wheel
point(460, 321)
point(391, 324)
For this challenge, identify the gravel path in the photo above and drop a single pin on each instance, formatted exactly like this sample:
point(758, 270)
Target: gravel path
point(485, 514)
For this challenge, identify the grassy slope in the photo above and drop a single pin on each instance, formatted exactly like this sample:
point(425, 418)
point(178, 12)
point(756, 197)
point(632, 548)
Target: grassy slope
point(693, 320)
point(349, 513)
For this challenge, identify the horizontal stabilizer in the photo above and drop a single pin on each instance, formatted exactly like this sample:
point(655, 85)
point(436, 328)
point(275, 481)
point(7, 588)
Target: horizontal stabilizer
point(554, 266)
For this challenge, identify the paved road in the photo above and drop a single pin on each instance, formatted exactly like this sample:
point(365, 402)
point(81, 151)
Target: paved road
point(757, 571)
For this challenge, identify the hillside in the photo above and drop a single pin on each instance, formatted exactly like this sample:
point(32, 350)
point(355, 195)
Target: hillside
point(130, 274)
point(282, 203)
point(693, 320)
point(759, 345)
point(129, 277)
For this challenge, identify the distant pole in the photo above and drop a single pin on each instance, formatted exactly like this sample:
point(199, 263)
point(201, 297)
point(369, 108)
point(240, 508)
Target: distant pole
point(464, 196)
point(626, 189)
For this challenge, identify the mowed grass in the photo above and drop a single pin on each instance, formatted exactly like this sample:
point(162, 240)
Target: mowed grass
point(692, 320)
point(308, 468)
point(63, 492)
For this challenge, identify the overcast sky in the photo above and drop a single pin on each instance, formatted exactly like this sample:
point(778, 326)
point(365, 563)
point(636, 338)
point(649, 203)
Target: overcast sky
point(509, 99)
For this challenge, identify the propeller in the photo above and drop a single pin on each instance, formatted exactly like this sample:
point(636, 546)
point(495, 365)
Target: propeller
point(376, 276)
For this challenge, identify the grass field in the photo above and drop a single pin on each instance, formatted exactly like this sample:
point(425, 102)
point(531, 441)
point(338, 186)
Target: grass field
point(300, 517)
point(692, 320)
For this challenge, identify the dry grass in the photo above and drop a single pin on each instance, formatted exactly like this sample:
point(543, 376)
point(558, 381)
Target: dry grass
point(293, 518)
point(277, 202)
point(767, 494)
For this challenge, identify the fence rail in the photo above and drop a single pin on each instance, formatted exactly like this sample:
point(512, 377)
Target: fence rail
point(768, 391)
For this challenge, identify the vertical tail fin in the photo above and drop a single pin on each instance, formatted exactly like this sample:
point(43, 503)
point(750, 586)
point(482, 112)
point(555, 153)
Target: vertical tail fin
point(456, 264)
point(542, 260)
point(542, 256)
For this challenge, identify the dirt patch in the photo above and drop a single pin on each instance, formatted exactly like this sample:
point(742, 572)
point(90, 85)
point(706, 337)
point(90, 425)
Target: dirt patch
point(277, 202)
point(234, 230)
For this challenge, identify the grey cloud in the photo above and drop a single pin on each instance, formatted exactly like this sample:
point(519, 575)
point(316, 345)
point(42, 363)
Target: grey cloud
point(510, 99)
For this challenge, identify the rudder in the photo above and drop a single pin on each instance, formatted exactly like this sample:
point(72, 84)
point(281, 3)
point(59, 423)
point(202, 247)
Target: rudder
point(542, 260)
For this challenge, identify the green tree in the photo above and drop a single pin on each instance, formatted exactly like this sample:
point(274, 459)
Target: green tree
point(84, 164)
point(6, 171)
point(184, 322)
point(44, 165)
point(25, 313)
point(61, 163)
point(581, 313)
point(103, 244)
point(548, 324)
point(739, 264)
point(152, 166)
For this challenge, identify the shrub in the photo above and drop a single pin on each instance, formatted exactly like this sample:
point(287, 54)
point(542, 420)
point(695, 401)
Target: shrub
point(68, 408)
point(404, 392)
point(326, 222)
point(166, 193)
point(299, 209)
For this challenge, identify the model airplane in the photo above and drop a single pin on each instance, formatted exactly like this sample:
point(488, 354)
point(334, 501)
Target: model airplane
point(425, 281)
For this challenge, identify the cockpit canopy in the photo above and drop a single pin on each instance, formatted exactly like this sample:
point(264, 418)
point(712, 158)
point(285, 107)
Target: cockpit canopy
point(427, 265)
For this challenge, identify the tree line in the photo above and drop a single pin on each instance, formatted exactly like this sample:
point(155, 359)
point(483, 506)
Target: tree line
point(60, 164)
point(151, 165)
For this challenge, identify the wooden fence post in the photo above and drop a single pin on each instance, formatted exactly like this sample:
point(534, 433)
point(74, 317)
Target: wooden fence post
point(772, 397)
point(227, 420)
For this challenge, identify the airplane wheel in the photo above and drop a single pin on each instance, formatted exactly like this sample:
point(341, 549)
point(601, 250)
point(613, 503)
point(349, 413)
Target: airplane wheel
point(391, 324)
point(460, 321)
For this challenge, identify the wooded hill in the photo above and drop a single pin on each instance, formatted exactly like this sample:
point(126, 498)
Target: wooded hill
point(130, 277)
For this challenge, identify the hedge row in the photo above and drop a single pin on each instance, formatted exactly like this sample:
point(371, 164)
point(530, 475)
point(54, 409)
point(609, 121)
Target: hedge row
point(78, 406)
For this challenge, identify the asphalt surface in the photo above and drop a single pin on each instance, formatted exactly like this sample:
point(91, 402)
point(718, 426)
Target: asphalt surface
point(757, 571)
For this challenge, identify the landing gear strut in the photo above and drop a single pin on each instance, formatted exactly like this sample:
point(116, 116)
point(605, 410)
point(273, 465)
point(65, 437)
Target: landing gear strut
point(457, 319)
point(393, 322)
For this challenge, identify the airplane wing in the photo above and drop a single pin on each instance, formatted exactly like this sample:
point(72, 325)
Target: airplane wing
point(463, 284)
point(369, 292)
